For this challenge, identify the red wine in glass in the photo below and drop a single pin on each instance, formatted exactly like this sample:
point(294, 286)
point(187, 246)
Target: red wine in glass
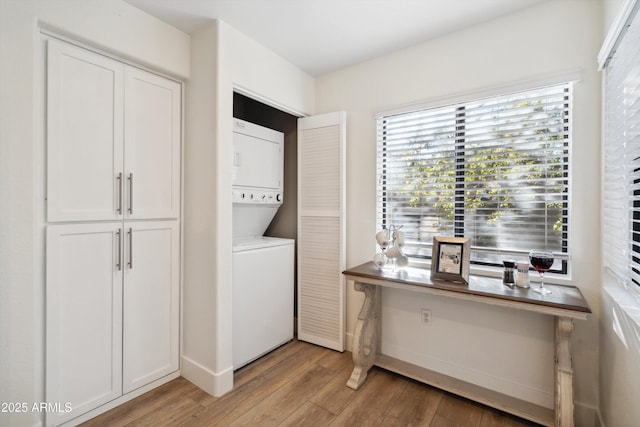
point(542, 262)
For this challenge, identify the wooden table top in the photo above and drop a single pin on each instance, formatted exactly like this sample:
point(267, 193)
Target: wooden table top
point(563, 297)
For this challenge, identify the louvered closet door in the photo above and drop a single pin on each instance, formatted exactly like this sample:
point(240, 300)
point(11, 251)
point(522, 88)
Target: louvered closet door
point(321, 232)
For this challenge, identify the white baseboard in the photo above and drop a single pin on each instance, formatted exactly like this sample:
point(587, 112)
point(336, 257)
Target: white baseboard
point(214, 383)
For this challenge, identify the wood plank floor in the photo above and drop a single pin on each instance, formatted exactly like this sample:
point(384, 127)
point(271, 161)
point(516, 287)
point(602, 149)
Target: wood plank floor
point(300, 384)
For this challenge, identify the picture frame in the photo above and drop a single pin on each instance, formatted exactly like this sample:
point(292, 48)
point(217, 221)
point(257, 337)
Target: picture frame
point(450, 259)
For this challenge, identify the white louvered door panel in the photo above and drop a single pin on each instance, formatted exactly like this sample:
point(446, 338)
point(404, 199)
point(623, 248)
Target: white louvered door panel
point(321, 231)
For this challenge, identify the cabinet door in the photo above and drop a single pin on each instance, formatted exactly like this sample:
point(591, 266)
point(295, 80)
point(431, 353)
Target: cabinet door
point(84, 316)
point(84, 134)
point(151, 302)
point(152, 145)
point(321, 229)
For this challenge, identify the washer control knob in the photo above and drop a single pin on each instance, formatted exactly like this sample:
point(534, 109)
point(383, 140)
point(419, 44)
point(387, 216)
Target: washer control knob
point(278, 197)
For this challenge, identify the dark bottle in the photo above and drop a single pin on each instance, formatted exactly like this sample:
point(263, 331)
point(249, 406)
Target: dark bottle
point(508, 275)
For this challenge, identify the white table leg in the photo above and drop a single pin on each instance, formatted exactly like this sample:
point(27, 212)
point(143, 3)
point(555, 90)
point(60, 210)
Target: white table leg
point(564, 372)
point(366, 338)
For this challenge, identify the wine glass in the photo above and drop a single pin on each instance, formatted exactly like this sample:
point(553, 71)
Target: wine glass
point(542, 262)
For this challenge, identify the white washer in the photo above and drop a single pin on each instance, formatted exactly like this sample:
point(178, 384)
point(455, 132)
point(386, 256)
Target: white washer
point(262, 296)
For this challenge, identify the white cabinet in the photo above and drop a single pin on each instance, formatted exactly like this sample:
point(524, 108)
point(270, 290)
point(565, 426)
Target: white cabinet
point(84, 316)
point(151, 302)
point(113, 231)
point(112, 310)
point(151, 145)
point(85, 96)
point(113, 139)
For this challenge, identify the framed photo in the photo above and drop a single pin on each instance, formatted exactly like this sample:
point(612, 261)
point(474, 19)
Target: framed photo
point(450, 259)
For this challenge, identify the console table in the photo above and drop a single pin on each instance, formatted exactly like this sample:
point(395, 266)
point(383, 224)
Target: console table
point(565, 303)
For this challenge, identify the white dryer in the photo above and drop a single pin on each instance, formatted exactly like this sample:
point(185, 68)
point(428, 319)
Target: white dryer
point(263, 272)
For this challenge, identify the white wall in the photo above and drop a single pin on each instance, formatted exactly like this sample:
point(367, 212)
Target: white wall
point(619, 330)
point(223, 59)
point(553, 37)
point(199, 287)
point(619, 356)
point(115, 27)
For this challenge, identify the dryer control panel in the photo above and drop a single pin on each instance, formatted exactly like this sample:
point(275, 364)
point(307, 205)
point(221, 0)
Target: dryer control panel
point(250, 196)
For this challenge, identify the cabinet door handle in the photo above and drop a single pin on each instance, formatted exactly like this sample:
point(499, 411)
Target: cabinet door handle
point(130, 194)
point(119, 181)
point(130, 249)
point(119, 259)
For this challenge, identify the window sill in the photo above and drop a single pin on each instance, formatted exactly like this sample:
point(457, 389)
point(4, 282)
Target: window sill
point(625, 297)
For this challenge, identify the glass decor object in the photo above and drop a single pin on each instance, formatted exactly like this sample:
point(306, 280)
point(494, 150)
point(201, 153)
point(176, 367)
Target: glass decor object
point(541, 262)
point(391, 241)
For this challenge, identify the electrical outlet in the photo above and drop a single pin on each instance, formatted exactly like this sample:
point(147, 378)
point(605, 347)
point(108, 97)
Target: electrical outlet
point(426, 316)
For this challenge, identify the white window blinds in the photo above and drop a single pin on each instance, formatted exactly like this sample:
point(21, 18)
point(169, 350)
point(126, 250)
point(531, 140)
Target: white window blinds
point(495, 170)
point(621, 189)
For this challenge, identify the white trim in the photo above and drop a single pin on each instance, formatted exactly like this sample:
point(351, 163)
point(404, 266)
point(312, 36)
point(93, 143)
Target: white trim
point(264, 100)
point(214, 383)
point(49, 32)
point(501, 89)
point(618, 28)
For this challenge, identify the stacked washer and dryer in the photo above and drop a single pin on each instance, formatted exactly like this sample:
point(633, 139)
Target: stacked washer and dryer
point(263, 267)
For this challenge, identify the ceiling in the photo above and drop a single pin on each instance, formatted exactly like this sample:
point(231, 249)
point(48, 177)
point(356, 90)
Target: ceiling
point(320, 36)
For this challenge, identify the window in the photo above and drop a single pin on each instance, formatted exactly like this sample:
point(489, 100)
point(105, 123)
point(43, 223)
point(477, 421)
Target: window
point(495, 170)
point(621, 189)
